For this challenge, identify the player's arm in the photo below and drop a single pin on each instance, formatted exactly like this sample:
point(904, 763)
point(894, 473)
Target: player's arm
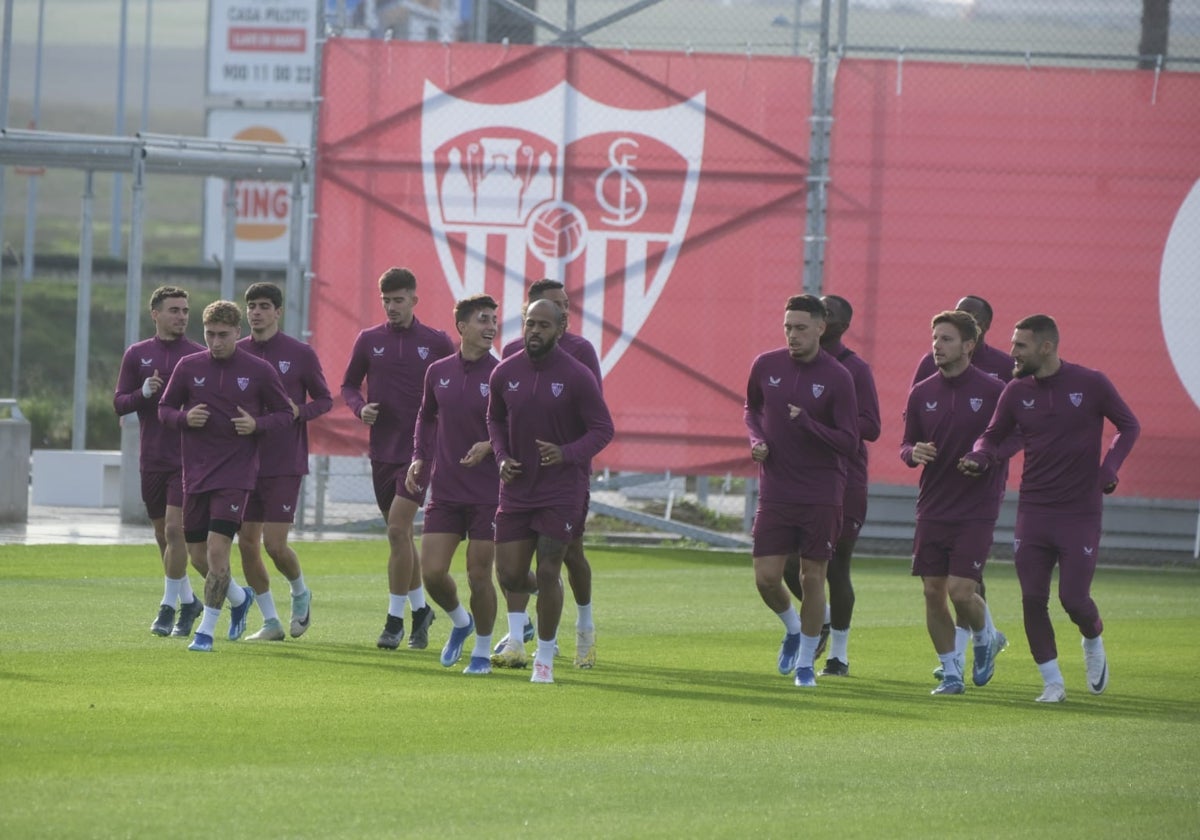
point(320, 400)
point(842, 436)
point(130, 393)
point(352, 380)
point(1117, 411)
point(913, 451)
point(869, 423)
point(596, 418)
point(170, 405)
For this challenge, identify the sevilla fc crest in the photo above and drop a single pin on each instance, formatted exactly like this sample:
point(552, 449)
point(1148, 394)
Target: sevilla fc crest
point(565, 187)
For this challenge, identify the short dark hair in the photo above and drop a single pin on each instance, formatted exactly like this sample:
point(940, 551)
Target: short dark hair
point(1042, 327)
point(538, 288)
point(466, 308)
point(265, 291)
point(841, 306)
point(397, 279)
point(807, 303)
point(964, 322)
point(163, 292)
point(985, 309)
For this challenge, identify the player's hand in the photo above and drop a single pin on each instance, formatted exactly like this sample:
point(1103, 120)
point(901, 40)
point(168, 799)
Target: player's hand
point(924, 452)
point(548, 453)
point(197, 416)
point(794, 411)
point(1110, 487)
point(477, 453)
point(412, 479)
point(152, 385)
point(369, 413)
point(510, 470)
point(759, 452)
point(295, 410)
point(244, 424)
point(969, 466)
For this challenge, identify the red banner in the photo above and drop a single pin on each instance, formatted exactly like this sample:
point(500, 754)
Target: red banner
point(668, 192)
point(1050, 191)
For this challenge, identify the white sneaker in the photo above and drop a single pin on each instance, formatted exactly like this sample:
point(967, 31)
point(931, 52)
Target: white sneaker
point(1053, 693)
point(1097, 668)
point(542, 673)
point(585, 648)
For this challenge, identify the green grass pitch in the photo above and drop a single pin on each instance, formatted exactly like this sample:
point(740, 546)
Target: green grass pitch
point(683, 729)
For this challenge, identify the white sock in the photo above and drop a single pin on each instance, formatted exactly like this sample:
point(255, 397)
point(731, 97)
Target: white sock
point(483, 646)
point(186, 595)
point(545, 652)
point(827, 616)
point(790, 619)
point(951, 664)
point(1050, 672)
point(981, 637)
point(1095, 645)
point(171, 591)
point(209, 623)
point(460, 616)
point(583, 620)
point(987, 618)
point(297, 585)
point(962, 636)
point(266, 603)
point(396, 605)
point(416, 599)
point(838, 640)
point(235, 594)
point(516, 628)
point(808, 650)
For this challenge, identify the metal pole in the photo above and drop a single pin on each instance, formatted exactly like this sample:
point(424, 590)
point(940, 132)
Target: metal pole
point(146, 69)
point(18, 290)
point(292, 309)
point(31, 192)
point(5, 58)
point(83, 311)
point(230, 239)
point(133, 285)
point(818, 164)
point(114, 235)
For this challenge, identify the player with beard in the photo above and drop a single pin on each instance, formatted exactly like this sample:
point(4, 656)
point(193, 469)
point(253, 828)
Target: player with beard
point(546, 421)
point(989, 359)
point(451, 437)
point(802, 415)
point(956, 515)
point(509, 653)
point(840, 607)
point(145, 369)
point(1058, 408)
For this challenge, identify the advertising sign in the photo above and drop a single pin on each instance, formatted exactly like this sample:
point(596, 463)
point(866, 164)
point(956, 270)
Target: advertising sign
point(262, 50)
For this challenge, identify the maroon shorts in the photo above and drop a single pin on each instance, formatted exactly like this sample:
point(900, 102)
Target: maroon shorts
point(389, 483)
point(200, 509)
point(782, 529)
point(476, 522)
point(941, 549)
point(160, 490)
point(563, 523)
point(273, 499)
